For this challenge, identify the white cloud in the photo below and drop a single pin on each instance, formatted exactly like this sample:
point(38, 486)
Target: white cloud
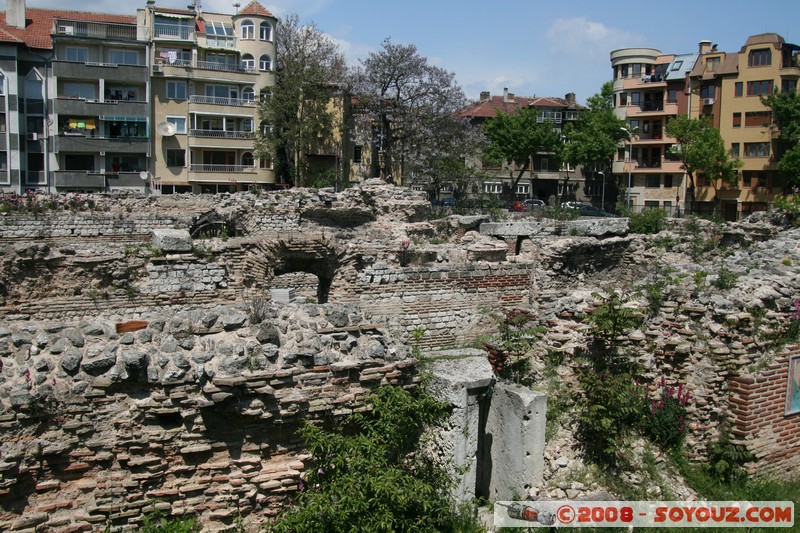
point(582, 40)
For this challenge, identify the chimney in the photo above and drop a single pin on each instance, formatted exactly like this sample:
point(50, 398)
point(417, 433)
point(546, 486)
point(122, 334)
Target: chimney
point(570, 98)
point(507, 96)
point(705, 47)
point(486, 96)
point(15, 13)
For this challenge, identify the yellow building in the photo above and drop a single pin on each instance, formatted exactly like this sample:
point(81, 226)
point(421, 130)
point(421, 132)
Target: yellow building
point(208, 72)
point(729, 87)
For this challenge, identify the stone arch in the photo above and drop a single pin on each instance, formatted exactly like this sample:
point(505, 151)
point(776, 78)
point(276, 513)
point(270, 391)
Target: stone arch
point(320, 256)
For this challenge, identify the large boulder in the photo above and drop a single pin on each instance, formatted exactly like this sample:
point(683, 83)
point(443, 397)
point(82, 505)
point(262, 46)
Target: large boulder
point(172, 240)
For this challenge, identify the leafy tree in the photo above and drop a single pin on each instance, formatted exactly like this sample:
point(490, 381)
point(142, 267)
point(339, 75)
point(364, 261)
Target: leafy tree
point(786, 123)
point(594, 139)
point(518, 137)
point(404, 106)
point(310, 72)
point(702, 150)
point(369, 478)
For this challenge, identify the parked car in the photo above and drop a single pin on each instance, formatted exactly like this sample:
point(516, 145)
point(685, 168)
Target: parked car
point(517, 205)
point(449, 202)
point(586, 210)
point(534, 203)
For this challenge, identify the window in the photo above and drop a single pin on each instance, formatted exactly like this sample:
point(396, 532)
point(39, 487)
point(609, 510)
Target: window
point(672, 96)
point(635, 98)
point(754, 179)
point(247, 160)
point(357, 154)
point(264, 63)
point(176, 158)
point(737, 120)
point(712, 63)
point(176, 90)
point(738, 87)
point(123, 57)
point(248, 29)
point(754, 119)
point(708, 91)
point(77, 54)
point(125, 163)
point(735, 150)
point(248, 124)
point(571, 115)
point(758, 88)
point(2, 83)
point(624, 71)
point(653, 181)
point(637, 70)
point(668, 181)
point(79, 90)
point(522, 189)
point(646, 126)
point(179, 122)
point(756, 149)
point(545, 164)
point(222, 91)
point(677, 65)
point(249, 94)
point(788, 86)
point(78, 162)
point(759, 58)
point(265, 163)
point(493, 188)
point(265, 127)
point(265, 31)
point(623, 99)
point(634, 125)
point(651, 204)
point(248, 62)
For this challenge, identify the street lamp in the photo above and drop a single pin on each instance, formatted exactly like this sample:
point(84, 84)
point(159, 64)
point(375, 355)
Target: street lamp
point(630, 134)
point(603, 197)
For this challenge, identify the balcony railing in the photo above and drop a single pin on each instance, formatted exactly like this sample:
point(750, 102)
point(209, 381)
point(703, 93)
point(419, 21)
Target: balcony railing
point(217, 100)
point(98, 30)
point(220, 134)
point(221, 169)
point(217, 41)
point(225, 67)
point(171, 31)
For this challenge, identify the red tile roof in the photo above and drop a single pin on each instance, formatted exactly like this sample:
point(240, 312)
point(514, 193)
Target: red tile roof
point(254, 8)
point(39, 25)
point(489, 108)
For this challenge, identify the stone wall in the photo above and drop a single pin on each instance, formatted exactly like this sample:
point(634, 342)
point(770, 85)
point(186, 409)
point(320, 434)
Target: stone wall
point(196, 412)
point(758, 402)
point(193, 276)
point(64, 225)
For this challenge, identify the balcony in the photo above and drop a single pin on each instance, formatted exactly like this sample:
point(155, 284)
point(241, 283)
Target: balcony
point(81, 106)
point(88, 143)
point(99, 30)
point(211, 104)
point(207, 70)
point(221, 139)
point(648, 81)
point(100, 71)
point(80, 179)
point(173, 32)
point(219, 41)
point(223, 169)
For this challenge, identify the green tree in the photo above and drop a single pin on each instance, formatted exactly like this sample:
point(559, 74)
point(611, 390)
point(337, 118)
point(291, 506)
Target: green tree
point(370, 477)
point(785, 109)
point(299, 113)
point(595, 137)
point(516, 138)
point(403, 105)
point(701, 150)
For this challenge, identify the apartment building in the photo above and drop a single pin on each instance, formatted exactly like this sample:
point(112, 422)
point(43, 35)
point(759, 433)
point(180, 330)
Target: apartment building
point(545, 179)
point(163, 101)
point(209, 71)
point(729, 87)
point(649, 90)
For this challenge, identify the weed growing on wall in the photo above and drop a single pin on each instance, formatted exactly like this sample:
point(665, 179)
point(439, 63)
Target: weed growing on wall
point(664, 419)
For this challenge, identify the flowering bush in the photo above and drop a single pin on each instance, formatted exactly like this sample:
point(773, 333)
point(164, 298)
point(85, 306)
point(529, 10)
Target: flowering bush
point(665, 418)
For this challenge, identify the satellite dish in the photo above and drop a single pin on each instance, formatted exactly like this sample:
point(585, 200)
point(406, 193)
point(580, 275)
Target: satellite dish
point(143, 175)
point(166, 129)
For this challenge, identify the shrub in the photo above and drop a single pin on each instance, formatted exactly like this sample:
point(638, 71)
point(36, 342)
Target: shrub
point(156, 522)
point(726, 459)
point(371, 477)
point(665, 418)
point(648, 221)
point(726, 279)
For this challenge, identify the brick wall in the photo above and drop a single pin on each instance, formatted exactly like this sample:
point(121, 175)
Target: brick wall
point(758, 404)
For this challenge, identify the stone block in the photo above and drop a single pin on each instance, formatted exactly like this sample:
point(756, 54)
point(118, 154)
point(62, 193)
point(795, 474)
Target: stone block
point(172, 240)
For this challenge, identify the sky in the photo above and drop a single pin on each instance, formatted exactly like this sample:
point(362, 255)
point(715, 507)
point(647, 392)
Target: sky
point(531, 47)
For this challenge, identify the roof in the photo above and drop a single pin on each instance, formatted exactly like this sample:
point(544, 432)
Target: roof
point(39, 24)
point(489, 108)
point(255, 8)
point(762, 38)
point(687, 61)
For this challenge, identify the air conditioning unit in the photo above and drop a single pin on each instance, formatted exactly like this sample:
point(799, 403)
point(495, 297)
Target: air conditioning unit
point(708, 101)
point(32, 136)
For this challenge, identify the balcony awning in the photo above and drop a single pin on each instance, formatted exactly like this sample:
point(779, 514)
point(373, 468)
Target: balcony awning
point(123, 119)
point(172, 16)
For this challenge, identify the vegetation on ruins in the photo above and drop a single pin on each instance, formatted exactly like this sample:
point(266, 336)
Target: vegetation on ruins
point(310, 71)
point(368, 474)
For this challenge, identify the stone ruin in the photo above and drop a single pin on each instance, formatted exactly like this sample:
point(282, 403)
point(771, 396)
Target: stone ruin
point(160, 352)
